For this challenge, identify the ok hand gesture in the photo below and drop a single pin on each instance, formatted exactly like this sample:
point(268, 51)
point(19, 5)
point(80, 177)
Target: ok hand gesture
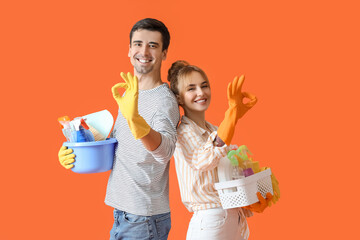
point(128, 105)
point(236, 97)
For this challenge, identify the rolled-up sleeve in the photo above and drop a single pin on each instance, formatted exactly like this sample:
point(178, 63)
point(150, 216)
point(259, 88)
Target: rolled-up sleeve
point(200, 155)
point(165, 121)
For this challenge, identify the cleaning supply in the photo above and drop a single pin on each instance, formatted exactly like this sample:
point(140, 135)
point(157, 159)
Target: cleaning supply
point(248, 171)
point(224, 170)
point(227, 172)
point(128, 105)
point(82, 132)
point(97, 135)
point(63, 120)
point(76, 130)
point(77, 135)
point(236, 109)
point(101, 123)
point(89, 137)
point(240, 158)
point(243, 152)
point(246, 190)
point(65, 124)
point(81, 153)
point(255, 166)
point(238, 184)
point(275, 187)
point(92, 157)
point(237, 173)
point(92, 127)
point(229, 169)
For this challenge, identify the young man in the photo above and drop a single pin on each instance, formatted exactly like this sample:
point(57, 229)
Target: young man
point(145, 129)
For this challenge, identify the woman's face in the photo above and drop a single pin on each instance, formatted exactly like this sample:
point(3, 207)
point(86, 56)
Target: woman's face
point(194, 93)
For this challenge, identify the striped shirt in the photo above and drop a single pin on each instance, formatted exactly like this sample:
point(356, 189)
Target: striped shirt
point(139, 181)
point(196, 160)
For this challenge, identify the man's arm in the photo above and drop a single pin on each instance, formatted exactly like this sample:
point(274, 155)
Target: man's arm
point(152, 140)
point(162, 137)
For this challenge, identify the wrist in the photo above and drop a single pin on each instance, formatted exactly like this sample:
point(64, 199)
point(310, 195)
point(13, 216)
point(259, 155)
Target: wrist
point(218, 142)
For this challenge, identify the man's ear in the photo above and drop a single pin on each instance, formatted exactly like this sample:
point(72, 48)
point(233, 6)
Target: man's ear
point(164, 54)
point(129, 50)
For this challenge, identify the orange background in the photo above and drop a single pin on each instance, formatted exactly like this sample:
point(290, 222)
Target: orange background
point(301, 59)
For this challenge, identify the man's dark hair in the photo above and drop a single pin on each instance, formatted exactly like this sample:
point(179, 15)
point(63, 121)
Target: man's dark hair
point(152, 24)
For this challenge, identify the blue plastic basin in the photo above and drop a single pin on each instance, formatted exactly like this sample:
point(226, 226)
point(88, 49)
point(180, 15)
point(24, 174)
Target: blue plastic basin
point(93, 157)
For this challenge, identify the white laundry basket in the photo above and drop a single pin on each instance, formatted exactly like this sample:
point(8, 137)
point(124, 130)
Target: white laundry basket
point(242, 192)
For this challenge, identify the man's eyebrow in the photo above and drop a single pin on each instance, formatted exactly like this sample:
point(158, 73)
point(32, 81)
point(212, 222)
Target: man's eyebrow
point(153, 43)
point(156, 43)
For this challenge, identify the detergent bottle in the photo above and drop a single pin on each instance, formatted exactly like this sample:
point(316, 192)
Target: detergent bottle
point(224, 170)
point(81, 132)
point(237, 173)
point(237, 168)
point(243, 152)
point(239, 157)
point(65, 125)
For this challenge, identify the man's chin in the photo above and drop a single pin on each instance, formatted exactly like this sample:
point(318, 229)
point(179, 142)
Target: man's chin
point(142, 70)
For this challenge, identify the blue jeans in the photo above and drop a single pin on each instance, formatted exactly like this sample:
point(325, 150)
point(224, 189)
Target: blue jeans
point(128, 226)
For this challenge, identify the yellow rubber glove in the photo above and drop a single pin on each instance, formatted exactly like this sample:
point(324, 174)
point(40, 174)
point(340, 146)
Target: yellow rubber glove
point(236, 109)
point(275, 186)
point(263, 203)
point(128, 105)
point(65, 158)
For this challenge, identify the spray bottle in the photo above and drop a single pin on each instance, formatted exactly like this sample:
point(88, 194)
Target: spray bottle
point(65, 124)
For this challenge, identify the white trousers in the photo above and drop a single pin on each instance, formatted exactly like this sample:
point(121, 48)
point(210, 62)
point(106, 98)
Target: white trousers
point(218, 224)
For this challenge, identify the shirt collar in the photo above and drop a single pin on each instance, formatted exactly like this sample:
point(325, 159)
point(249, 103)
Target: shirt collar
point(196, 127)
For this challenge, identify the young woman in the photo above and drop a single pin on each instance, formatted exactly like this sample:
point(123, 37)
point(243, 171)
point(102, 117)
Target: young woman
point(199, 148)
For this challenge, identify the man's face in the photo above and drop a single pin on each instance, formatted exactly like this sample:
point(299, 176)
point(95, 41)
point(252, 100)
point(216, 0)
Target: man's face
point(145, 51)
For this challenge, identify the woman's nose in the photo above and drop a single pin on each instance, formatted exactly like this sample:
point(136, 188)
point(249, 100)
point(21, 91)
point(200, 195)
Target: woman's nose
point(199, 92)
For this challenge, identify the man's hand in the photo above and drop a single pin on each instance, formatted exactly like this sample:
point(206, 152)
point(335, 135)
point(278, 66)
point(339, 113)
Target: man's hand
point(237, 109)
point(65, 158)
point(263, 203)
point(128, 105)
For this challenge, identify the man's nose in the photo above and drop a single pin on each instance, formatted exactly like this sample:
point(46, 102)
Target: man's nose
point(145, 50)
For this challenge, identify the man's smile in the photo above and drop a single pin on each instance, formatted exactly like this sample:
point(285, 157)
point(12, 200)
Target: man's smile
point(141, 60)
